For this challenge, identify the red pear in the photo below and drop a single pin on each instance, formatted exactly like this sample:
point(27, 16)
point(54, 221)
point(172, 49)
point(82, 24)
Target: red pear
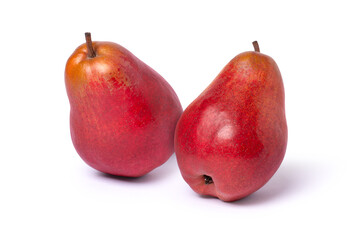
point(232, 139)
point(123, 113)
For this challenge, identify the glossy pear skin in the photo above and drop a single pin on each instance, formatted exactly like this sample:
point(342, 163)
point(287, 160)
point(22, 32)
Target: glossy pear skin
point(235, 132)
point(123, 113)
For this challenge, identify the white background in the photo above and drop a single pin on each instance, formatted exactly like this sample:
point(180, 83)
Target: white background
point(48, 192)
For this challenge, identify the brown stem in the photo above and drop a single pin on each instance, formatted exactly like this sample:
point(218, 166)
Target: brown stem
point(256, 46)
point(91, 52)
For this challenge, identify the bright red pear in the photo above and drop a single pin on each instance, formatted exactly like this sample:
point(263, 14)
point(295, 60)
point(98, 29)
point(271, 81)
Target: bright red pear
point(123, 113)
point(232, 139)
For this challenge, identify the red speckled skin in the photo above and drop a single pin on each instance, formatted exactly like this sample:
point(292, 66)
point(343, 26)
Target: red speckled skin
point(235, 131)
point(123, 114)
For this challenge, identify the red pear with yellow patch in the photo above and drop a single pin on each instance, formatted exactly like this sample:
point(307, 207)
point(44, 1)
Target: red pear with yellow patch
point(123, 113)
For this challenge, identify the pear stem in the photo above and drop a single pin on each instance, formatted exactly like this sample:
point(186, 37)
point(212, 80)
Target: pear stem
point(256, 46)
point(90, 50)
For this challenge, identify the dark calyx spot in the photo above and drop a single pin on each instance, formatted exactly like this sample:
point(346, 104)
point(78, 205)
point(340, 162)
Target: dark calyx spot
point(208, 180)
